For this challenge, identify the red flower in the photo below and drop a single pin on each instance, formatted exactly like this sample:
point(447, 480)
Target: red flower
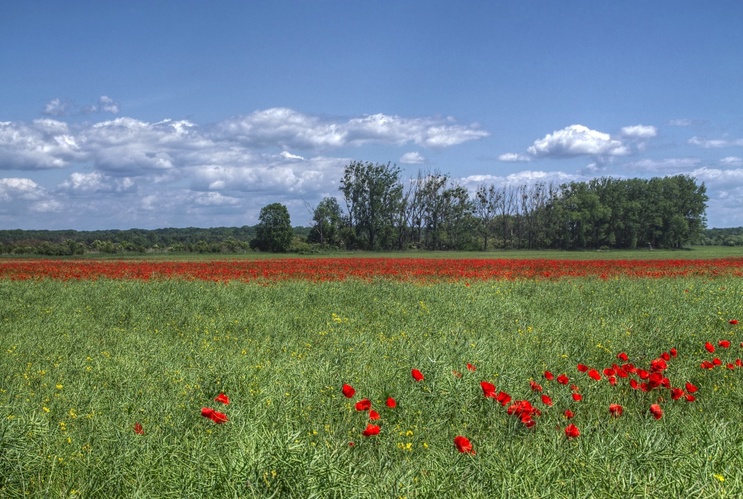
point(463, 445)
point(608, 372)
point(568, 414)
point(548, 376)
point(658, 365)
point(373, 415)
point(676, 393)
point(724, 343)
point(582, 368)
point(488, 389)
point(577, 397)
point(716, 361)
point(691, 388)
point(572, 431)
point(594, 374)
point(665, 356)
point(535, 386)
point(546, 400)
point(138, 429)
point(709, 347)
point(470, 367)
point(622, 356)
point(615, 409)
point(391, 403)
point(674, 353)
point(707, 365)
point(222, 398)
point(371, 429)
point(503, 398)
point(634, 384)
point(348, 391)
point(216, 416)
point(656, 411)
point(563, 379)
point(363, 405)
point(734, 322)
point(417, 375)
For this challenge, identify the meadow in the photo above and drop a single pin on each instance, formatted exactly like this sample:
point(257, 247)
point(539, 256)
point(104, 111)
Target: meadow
point(108, 385)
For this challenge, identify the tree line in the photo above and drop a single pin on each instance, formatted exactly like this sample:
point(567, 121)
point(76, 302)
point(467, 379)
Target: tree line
point(378, 210)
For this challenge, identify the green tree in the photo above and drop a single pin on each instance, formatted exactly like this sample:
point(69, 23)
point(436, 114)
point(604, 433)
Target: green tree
point(274, 230)
point(328, 220)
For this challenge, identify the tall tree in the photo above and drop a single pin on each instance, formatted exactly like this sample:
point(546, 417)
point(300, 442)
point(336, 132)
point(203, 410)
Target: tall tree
point(328, 219)
point(274, 230)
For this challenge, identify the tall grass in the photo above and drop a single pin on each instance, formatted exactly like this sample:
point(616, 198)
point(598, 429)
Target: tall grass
point(82, 362)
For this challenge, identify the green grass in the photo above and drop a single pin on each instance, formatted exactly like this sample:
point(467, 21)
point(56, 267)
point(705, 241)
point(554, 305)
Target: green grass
point(82, 362)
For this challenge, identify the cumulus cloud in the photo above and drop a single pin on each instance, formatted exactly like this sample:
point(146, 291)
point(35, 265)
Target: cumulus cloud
point(577, 140)
point(412, 158)
point(96, 182)
point(512, 157)
point(639, 132)
point(42, 144)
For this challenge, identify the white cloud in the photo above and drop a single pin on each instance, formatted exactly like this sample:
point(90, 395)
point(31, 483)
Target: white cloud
point(20, 189)
point(732, 161)
point(512, 157)
point(714, 143)
point(56, 107)
point(577, 140)
point(43, 144)
point(96, 182)
point(639, 132)
point(663, 165)
point(108, 105)
point(412, 158)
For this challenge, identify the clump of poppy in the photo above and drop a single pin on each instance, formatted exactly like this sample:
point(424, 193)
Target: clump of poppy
point(463, 445)
point(417, 375)
point(572, 431)
point(216, 416)
point(348, 391)
point(371, 429)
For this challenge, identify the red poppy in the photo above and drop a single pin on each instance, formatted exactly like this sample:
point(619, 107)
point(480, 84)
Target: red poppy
point(577, 397)
point(656, 411)
point(634, 384)
point(348, 391)
point(643, 374)
point(363, 405)
point(613, 380)
point(690, 397)
point(563, 379)
point(582, 368)
point(216, 416)
point(724, 343)
point(138, 429)
point(471, 367)
point(734, 322)
point(568, 414)
point(707, 365)
point(709, 347)
point(503, 398)
point(676, 393)
point(463, 445)
point(535, 386)
point(371, 429)
point(674, 353)
point(548, 376)
point(391, 403)
point(716, 361)
point(622, 356)
point(222, 398)
point(608, 372)
point(572, 431)
point(615, 410)
point(665, 356)
point(739, 362)
point(417, 375)
point(658, 365)
point(373, 415)
point(488, 389)
point(546, 400)
point(691, 388)
point(594, 374)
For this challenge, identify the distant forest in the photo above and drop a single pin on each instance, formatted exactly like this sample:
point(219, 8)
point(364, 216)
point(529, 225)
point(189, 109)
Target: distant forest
point(431, 212)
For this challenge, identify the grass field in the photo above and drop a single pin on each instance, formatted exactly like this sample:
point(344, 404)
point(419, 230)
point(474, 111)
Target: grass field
point(83, 362)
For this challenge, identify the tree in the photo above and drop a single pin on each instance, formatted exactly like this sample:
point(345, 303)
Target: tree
point(373, 195)
point(274, 230)
point(328, 219)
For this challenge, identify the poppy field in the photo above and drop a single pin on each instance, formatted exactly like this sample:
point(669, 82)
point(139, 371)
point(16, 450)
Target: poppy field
point(371, 378)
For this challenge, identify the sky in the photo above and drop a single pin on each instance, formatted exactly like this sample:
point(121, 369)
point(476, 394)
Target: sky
point(154, 114)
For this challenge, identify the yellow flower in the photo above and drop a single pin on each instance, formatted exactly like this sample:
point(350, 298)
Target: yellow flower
point(719, 477)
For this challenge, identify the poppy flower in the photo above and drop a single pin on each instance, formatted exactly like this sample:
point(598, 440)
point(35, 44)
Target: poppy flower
point(371, 429)
point(548, 376)
point(724, 343)
point(582, 367)
point(634, 384)
point(665, 356)
point(138, 429)
point(707, 365)
point(216, 416)
point(563, 379)
point(690, 397)
point(463, 445)
point(417, 375)
point(658, 365)
point(568, 414)
point(716, 361)
point(535, 386)
point(676, 393)
point(348, 391)
point(622, 356)
point(709, 347)
point(656, 411)
point(594, 374)
point(391, 403)
point(222, 398)
point(503, 398)
point(572, 431)
point(471, 367)
point(739, 362)
point(488, 389)
point(363, 405)
point(691, 388)
point(373, 415)
point(577, 397)
point(734, 322)
point(546, 400)
point(613, 380)
point(615, 410)
point(608, 372)
point(673, 352)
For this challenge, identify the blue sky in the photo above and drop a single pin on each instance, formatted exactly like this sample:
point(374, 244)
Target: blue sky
point(175, 114)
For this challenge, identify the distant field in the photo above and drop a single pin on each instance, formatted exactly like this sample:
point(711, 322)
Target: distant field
point(103, 383)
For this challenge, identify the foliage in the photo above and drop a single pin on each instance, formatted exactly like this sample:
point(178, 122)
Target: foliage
point(274, 230)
